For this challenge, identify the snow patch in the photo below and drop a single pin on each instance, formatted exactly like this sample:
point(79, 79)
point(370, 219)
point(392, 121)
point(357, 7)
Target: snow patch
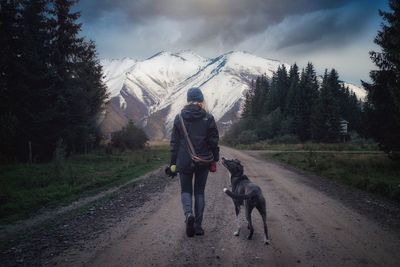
point(360, 92)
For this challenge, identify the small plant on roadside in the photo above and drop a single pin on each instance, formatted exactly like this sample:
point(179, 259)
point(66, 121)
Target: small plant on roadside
point(311, 159)
point(247, 137)
point(59, 158)
point(129, 137)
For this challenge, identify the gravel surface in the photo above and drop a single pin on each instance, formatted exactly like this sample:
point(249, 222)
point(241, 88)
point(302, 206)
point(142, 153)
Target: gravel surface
point(383, 211)
point(80, 230)
point(312, 222)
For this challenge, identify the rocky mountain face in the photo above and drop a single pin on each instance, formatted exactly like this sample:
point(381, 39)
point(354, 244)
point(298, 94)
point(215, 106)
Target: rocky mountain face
point(151, 92)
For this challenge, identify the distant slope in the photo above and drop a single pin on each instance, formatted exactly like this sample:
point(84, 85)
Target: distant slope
point(151, 92)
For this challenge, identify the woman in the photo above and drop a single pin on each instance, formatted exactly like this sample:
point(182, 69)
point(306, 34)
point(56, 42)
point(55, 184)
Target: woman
point(203, 134)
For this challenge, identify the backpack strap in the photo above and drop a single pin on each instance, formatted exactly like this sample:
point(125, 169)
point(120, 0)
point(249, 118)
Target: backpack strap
point(190, 147)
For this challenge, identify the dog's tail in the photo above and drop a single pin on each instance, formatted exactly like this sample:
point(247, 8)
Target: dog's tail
point(239, 197)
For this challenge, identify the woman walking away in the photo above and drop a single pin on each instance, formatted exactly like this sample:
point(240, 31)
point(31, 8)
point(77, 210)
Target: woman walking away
point(194, 152)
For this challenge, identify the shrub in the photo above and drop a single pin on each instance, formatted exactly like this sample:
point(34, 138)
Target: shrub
point(59, 155)
point(396, 193)
point(362, 183)
point(285, 139)
point(247, 137)
point(129, 137)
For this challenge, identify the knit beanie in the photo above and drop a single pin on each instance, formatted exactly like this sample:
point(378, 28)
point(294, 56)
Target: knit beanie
point(195, 95)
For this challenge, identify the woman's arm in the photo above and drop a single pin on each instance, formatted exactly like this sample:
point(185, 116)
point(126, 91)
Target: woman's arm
point(175, 137)
point(213, 137)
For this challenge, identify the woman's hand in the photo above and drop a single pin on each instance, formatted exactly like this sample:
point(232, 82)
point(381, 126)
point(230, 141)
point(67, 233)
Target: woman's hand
point(171, 171)
point(213, 167)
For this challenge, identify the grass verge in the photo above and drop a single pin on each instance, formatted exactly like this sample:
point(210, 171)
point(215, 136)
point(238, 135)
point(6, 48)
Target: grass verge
point(374, 173)
point(25, 188)
point(310, 146)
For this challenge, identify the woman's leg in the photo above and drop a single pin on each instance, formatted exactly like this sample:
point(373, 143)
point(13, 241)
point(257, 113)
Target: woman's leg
point(186, 198)
point(200, 180)
point(186, 192)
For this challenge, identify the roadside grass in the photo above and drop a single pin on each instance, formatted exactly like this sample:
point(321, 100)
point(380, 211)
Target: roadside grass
point(263, 145)
point(374, 173)
point(25, 188)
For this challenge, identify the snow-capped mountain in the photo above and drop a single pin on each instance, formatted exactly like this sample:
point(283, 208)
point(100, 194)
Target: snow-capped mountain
point(151, 92)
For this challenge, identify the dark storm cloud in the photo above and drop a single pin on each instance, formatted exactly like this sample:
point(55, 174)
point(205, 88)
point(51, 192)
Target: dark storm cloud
point(233, 21)
point(334, 27)
point(142, 10)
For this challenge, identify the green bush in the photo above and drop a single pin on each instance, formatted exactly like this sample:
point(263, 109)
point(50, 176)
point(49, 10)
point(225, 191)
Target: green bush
point(396, 193)
point(247, 137)
point(379, 187)
point(362, 183)
point(129, 137)
point(285, 139)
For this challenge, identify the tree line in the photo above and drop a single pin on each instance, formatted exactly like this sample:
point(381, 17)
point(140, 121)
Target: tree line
point(297, 106)
point(50, 81)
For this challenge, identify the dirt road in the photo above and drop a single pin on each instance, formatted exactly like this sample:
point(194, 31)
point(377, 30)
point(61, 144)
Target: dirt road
point(307, 228)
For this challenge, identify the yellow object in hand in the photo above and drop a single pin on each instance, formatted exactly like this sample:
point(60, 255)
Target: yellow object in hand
point(173, 168)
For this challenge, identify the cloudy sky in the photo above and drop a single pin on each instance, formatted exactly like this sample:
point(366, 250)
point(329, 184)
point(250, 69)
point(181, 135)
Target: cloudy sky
point(330, 33)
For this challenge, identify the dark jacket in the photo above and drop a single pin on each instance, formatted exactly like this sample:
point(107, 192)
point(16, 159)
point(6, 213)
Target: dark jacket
point(203, 133)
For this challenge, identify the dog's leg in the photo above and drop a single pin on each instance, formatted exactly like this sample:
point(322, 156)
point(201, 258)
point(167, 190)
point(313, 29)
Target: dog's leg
point(237, 210)
point(248, 217)
point(263, 212)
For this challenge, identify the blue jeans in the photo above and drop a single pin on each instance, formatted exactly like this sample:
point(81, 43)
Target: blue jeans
point(200, 174)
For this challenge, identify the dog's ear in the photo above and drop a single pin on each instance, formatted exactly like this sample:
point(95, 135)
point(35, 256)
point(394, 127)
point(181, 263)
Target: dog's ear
point(239, 167)
point(237, 161)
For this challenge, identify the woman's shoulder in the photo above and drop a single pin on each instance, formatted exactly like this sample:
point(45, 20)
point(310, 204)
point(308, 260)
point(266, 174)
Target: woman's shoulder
point(176, 119)
point(209, 116)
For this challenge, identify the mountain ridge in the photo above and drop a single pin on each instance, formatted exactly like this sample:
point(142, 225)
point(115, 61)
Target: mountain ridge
point(152, 91)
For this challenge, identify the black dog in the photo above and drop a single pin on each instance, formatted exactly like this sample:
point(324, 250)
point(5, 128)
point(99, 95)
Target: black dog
point(249, 193)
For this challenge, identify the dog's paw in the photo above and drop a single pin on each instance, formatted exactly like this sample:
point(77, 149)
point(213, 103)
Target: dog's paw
point(225, 189)
point(236, 233)
point(267, 242)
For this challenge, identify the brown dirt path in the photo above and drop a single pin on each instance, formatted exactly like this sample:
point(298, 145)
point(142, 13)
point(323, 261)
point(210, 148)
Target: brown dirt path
point(308, 228)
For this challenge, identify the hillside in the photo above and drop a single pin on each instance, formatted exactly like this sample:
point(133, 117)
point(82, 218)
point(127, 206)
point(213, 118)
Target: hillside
point(151, 92)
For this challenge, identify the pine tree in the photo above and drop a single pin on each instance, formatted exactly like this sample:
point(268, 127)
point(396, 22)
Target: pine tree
point(81, 92)
point(282, 88)
point(319, 116)
point(326, 118)
point(289, 125)
point(305, 102)
point(67, 102)
point(50, 80)
point(259, 103)
point(294, 80)
point(10, 66)
point(93, 91)
point(271, 99)
point(278, 91)
point(248, 101)
point(334, 107)
point(259, 96)
point(383, 100)
point(308, 98)
point(38, 75)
